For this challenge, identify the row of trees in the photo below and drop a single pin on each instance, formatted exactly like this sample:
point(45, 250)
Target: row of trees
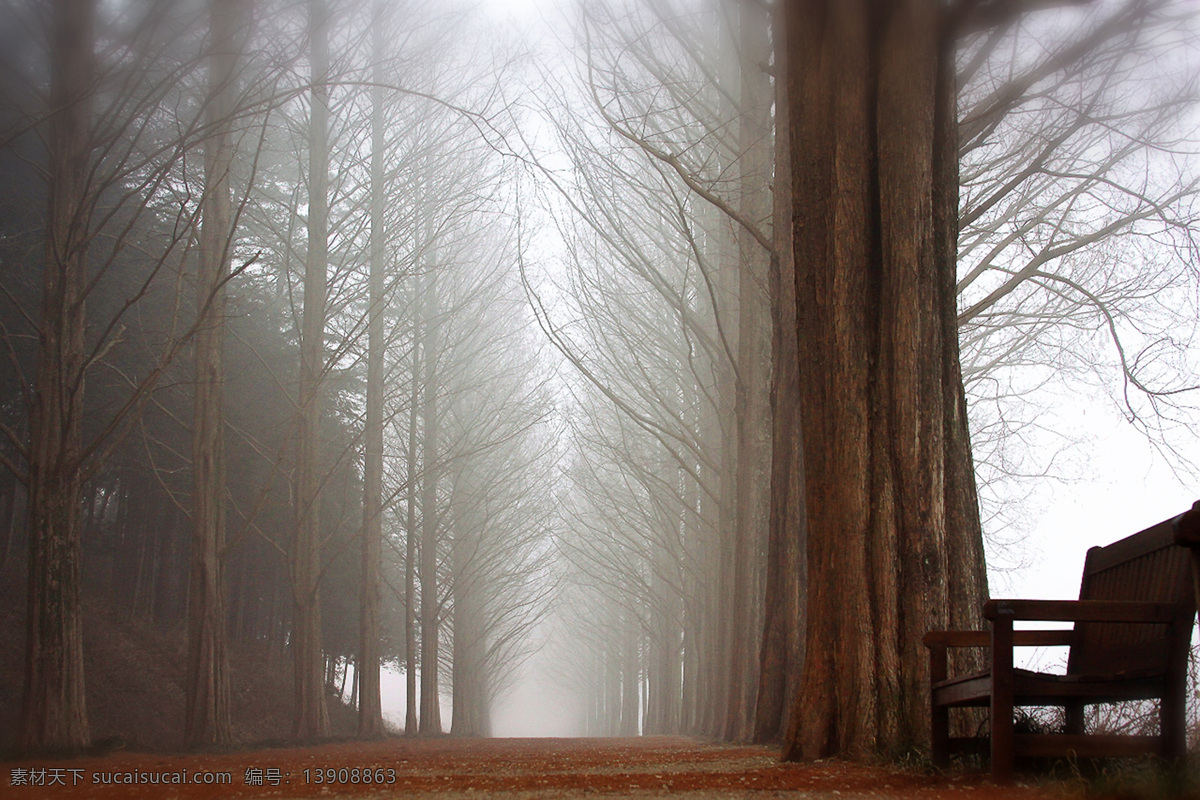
point(287, 252)
point(268, 356)
point(755, 578)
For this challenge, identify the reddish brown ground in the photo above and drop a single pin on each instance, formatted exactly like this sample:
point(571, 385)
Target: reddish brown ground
point(511, 768)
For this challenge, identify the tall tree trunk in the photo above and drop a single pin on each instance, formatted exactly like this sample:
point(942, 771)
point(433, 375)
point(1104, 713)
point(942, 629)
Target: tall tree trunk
point(884, 434)
point(753, 411)
point(312, 719)
point(431, 714)
point(612, 676)
point(370, 713)
point(630, 678)
point(664, 650)
point(53, 713)
point(723, 598)
point(782, 653)
point(410, 553)
point(708, 598)
point(690, 607)
point(467, 672)
point(207, 720)
point(470, 696)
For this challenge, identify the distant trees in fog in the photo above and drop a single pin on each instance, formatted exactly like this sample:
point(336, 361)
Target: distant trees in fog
point(1075, 201)
point(330, 336)
point(221, 205)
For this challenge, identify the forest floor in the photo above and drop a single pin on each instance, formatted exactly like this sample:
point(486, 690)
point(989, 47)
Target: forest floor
point(516, 769)
point(135, 693)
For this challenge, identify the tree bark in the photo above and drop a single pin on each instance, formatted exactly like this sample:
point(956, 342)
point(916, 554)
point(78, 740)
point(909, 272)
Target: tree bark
point(312, 720)
point(207, 716)
point(370, 712)
point(724, 598)
point(752, 401)
point(431, 712)
point(612, 676)
point(691, 611)
point(870, 86)
point(782, 653)
point(410, 554)
point(53, 710)
point(630, 677)
point(469, 713)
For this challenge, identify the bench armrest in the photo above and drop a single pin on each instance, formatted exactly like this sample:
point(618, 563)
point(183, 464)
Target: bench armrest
point(1081, 610)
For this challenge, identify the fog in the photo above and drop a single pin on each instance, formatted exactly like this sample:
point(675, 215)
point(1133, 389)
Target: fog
point(490, 369)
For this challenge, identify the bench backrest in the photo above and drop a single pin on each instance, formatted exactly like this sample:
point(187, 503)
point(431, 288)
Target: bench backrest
point(1146, 566)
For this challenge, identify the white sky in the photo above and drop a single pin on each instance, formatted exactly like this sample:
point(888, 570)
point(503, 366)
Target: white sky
point(1116, 484)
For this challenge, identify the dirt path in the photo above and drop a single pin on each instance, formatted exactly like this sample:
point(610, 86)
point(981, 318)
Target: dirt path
point(487, 768)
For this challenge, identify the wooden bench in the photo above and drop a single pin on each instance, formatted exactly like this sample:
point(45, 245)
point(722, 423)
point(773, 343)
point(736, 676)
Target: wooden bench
point(1133, 624)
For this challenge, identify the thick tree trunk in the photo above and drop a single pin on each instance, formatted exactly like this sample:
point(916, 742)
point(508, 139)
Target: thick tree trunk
point(53, 713)
point(782, 654)
point(312, 719)
point(752, 411)
point(370, 713)
point(882, 436)
point(207, 720)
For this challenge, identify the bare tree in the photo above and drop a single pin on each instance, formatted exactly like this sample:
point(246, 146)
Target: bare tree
point(370, 716)
point(53, 711)
point(695, 156)
point(207, 719)
point(312, 718)
point(114, 167)
point(1074, 244)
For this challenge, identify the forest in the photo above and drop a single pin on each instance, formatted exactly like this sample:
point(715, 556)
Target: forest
point(700, 352)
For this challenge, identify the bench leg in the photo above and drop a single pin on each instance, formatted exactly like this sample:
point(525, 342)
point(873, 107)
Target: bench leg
point(1172, 724)
point(940, 737)
point(1002, 700)
point(1074, 714)
point(1002, 739)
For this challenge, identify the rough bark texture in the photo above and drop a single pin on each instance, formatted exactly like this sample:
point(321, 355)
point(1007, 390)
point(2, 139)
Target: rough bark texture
point(370, 712)
point(312, 718)
point(206, 719)
point(782, 653)
point(53, 714)
point(883, 438)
